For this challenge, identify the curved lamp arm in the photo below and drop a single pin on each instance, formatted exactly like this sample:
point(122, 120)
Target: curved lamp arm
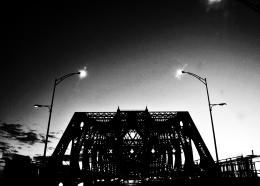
point(203, 80)
point(220, 104)
point(60, 79)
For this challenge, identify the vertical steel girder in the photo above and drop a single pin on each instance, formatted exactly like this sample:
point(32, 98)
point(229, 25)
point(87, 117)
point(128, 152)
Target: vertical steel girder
point(120, 145)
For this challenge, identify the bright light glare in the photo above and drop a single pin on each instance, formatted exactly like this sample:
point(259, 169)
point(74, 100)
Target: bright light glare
point(214, 1)
point(83, 73)
point(179, 73)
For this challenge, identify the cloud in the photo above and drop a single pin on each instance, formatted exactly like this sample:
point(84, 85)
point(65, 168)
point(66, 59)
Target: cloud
point(29, 138)
point(17, 132)
point(51, 136)
point(6, 147)
point(54, 134)
point(51, 148)
point(10, 132)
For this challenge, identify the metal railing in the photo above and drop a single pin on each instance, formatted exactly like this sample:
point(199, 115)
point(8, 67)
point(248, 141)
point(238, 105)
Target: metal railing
point(240, 167)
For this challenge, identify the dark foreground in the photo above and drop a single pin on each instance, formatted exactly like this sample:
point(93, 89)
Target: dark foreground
point(219, 181)
point(215, 181)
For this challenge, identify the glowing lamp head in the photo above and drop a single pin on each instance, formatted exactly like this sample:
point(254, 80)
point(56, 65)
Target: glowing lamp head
point(36, 106)
point(83, 73)
point(179, 73)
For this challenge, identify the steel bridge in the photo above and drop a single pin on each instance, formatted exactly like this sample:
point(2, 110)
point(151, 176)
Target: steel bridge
point(129, 147)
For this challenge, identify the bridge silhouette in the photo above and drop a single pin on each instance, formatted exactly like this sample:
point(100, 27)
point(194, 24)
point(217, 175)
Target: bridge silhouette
point(136, 147)
point(131, 148)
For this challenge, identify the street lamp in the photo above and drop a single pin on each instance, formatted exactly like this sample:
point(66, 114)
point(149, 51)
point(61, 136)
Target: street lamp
point(38, 106)
point(219, 104)
point(82, 74)
point(204, 81)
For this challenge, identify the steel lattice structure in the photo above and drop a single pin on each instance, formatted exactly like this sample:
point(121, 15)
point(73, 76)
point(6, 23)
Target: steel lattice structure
point(128, 145)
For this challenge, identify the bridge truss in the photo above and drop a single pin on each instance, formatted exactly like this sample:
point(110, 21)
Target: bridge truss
point(128, 145)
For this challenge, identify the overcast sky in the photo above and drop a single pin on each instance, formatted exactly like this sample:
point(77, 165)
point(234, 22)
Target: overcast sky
point(132, 51)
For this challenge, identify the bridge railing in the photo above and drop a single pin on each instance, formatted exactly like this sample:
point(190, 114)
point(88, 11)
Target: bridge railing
point(240, 167)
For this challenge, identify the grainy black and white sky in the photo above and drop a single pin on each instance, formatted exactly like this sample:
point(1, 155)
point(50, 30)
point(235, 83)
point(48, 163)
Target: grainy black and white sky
point(132, 51)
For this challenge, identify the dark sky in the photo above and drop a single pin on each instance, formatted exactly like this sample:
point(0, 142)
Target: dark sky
point(40, 39)
point(132, 50)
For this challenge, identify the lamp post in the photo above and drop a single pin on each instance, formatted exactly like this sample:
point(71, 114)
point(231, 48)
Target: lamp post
point(82, 74)
point(204, 81)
